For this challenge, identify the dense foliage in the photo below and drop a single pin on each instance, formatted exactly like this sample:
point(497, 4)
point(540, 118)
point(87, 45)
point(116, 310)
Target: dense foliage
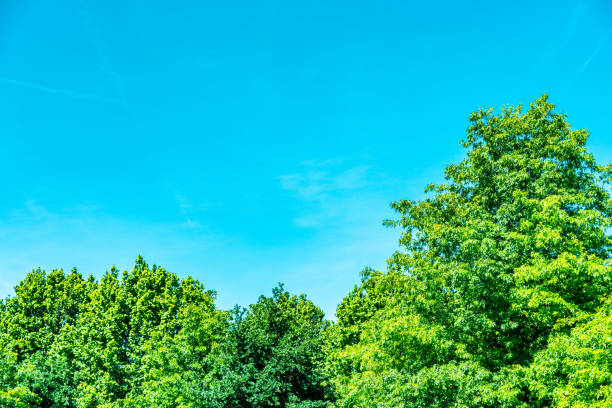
point(148, 339)
point(500, 297)
point(504, 266)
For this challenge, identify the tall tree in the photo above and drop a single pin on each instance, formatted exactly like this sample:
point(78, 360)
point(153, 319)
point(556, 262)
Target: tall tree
point(510, 251)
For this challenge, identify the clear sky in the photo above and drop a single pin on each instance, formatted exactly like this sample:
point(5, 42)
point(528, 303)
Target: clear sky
point(247, 143)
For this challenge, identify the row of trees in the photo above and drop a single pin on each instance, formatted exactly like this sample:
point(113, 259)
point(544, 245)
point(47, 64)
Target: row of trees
point(149, 339)
point(501, 297)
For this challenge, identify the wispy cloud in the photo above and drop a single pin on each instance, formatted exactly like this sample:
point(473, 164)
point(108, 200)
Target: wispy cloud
point(87, 237)
point(597, 49)
point(314, 185)
point(105, 67)
point(332, 192)
point(64, 92)
point(34, 211)
point(560, 41)
point(185, 208)
point(93, 33)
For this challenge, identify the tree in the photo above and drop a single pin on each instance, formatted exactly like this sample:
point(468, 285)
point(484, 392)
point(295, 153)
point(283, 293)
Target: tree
point(501, 297)
point(273, 353)
point(140, 340)
point(510, 251)
point(32, 373)
point(575, 369)
point(179, 365)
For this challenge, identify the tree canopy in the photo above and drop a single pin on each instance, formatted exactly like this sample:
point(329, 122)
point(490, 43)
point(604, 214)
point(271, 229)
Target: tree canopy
point(511, 252)
point(499, 297)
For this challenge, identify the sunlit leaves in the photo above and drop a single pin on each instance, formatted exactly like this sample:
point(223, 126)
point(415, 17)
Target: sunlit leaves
point(510, 252)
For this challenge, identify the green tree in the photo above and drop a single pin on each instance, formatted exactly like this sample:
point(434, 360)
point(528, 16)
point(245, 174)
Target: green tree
point(179, 365)
point(141, 340)
point(501, 297)
point(32, 373)
point(510, 251)
point(376, 292)
point(273, 353)
point(575, 369)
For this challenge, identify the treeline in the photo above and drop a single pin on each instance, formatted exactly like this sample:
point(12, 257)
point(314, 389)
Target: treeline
point(500, 297)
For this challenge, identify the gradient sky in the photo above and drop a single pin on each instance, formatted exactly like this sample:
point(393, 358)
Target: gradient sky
point(249, 143)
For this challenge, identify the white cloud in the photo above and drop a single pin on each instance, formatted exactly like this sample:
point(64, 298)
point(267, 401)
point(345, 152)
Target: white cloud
point(330, 190)
point(313, 185)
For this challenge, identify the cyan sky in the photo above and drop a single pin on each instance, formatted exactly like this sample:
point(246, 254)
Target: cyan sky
point(251, 142)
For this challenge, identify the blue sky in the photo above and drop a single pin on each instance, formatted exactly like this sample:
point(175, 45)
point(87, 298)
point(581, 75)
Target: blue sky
point(246, 143)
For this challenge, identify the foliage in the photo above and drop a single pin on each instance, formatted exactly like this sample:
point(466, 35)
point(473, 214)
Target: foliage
point(501, 297)
point(510, 251)
point(273, 354)
point(149, 339)
point(575, 369)
point(71, 342)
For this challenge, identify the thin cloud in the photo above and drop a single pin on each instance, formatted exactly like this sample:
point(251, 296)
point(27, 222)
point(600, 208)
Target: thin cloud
point(567, 33)
point(38, 211)
point(91, 239)
point(571, 80)
point(65, 92)
point(186, 209)
point(32, 211)
point(597, 49)
point(328, 192)
point(93, 33)
point(314, 185)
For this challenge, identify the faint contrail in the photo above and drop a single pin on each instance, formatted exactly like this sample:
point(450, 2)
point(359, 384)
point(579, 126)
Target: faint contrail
point(560, 41)
point(600, 44)
point(94, 35)
point(64, 92)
